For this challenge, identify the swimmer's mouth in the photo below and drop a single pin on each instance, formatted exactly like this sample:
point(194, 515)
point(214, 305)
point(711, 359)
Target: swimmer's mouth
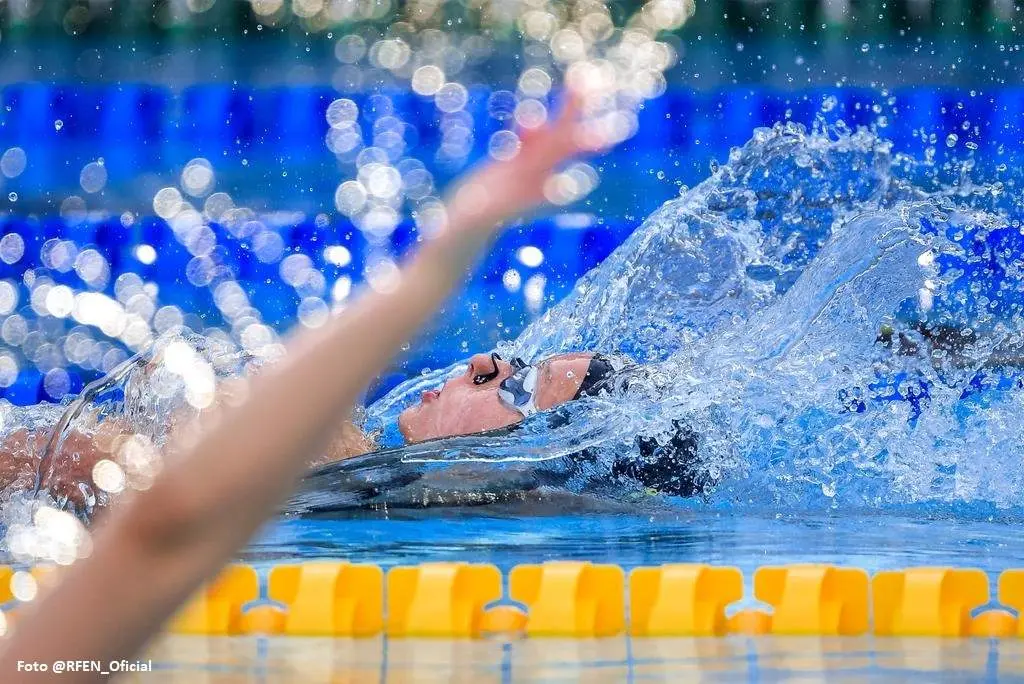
point(432, 395)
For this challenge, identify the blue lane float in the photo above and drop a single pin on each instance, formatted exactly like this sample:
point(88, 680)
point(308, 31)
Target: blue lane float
point(141, 128)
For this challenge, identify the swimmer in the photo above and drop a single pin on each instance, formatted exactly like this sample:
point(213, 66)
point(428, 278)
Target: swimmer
point(225, 473)
point(494, 394)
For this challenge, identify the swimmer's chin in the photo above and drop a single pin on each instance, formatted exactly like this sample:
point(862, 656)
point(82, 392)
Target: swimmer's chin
point(403, 426)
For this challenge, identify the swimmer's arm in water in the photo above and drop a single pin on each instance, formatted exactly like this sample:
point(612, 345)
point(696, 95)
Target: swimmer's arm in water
point(21, 456)
point(225, 476)
point(20, 453)
point(348, 441)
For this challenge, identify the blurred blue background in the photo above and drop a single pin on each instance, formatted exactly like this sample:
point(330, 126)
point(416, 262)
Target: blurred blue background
point(108, 108)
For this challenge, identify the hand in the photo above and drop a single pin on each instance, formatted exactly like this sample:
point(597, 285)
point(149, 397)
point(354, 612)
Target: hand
point(19, 460)
point(502, 190)
point(72, 469)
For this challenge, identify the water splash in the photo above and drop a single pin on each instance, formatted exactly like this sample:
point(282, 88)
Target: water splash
point(142, 399)
point(835, 326)
point(838, 327)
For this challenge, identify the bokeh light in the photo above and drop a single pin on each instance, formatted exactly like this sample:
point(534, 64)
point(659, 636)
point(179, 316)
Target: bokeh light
point(409, 114)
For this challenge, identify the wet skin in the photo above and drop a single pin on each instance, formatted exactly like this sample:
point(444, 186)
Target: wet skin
point(469, 403)
point(465, 404)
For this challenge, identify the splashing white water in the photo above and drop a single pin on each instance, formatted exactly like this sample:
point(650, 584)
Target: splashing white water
point(830, 332)
point(833, 332)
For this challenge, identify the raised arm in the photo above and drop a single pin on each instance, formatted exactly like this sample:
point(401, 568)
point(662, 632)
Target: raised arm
point(224, 479)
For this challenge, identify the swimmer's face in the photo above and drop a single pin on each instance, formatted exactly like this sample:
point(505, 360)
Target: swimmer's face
point(467, 403)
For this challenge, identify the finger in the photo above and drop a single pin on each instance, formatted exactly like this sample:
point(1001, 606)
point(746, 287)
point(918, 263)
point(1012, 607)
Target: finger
point(572, 106)
point(561, 136)
point(591, 139)
point(568, 124)
point(527, 136)
point(568, 109)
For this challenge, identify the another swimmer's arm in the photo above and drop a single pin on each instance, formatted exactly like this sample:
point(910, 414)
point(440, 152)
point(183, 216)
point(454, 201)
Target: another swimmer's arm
point(19, 459)
point(241, 460)
point(21, 456)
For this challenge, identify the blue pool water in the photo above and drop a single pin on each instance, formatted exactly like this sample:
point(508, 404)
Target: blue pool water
point(813, 245)
point(760, 295)
point(144, 133)
point(268, 145)
point(747, 541)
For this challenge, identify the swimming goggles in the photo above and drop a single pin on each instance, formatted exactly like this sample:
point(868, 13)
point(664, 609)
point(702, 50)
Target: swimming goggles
point(518, 391)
